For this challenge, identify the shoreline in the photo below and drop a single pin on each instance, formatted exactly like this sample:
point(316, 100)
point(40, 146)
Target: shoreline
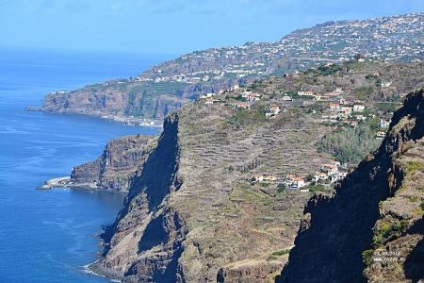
point(95, 270)
point(66, 183)
point(128, 121)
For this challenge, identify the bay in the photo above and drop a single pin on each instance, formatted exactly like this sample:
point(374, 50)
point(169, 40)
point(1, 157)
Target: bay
point(48, 236)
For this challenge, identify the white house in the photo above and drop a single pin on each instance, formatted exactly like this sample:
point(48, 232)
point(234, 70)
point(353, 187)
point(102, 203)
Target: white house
point(358, 108)
point(386, 84)
point(384, 124)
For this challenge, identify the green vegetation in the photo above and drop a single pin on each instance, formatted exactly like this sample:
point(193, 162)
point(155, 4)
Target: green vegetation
point(315, 188)
point(367, 257)
point(413, 198)
point(389, 230)
point(249, 117)
point(363, 92)
point(413, 166)
point(281, 188)
point(350, 145)
point(277, 254)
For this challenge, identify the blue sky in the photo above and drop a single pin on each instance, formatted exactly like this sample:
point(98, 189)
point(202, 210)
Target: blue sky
point(173, 26)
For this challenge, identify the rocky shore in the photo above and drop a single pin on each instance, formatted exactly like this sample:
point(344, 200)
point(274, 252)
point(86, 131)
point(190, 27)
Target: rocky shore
point(66, 182)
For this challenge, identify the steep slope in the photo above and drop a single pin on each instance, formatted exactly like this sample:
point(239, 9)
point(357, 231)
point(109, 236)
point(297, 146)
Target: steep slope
point(162, 88)
point(115, 168)
point(371, 229)
point(193, 213)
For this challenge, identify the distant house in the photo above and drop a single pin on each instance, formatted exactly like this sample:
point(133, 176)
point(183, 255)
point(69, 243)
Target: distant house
point(384, 124)
point(305, 93)
point(242, 105)
point(275, 108)
point(265, 177)
point(209, 101)
point(346, 110)
point(360, 117)
point(380, 135)
point(358, 108)
point(287, 98)
point(321, 176)
point(330, 169)
point(298, 183)
point(386, 84)
point(334, 106)
point(273, 111)
point(251, 97)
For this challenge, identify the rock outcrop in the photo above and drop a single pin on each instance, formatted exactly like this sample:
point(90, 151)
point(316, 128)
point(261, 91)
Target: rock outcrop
point(117, 166)
point(371, 229)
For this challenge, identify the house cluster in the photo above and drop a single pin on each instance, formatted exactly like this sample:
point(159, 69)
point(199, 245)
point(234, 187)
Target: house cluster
point(328, 96)
point(331, 172)
point(289, 182)
point(341, 110)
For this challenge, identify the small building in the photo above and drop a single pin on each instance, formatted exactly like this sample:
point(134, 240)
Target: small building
point(298, 183)
point(242, 105)
point(265, 178)
point(358, 108)
point(346, 110)
point(287, 98)
point(386, 83)
point(380, 135)
point(330, 169)
point(384, 124)
point(209, 101)
point(334, 106)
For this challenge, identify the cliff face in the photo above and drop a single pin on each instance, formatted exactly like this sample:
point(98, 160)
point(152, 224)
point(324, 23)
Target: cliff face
point(116, 99)
point(192, 213)
point(145, 242)
point(115, 168)
point(371, 229)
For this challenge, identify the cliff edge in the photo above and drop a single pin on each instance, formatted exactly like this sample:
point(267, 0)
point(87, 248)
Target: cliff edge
point(118, 164)
point(372, 228)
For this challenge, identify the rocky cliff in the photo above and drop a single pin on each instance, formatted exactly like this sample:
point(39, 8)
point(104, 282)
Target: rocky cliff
point(115, 168)
point(371, 229)
point(193, 213)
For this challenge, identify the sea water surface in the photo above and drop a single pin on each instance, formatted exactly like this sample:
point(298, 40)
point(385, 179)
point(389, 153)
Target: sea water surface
point(48, 236)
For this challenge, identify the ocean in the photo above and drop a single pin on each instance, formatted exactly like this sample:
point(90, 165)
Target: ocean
point(48, 236)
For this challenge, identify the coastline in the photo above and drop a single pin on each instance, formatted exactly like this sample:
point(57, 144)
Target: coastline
point(128, 121)
point(94, 269)
point(66, 183)
point(100, 272)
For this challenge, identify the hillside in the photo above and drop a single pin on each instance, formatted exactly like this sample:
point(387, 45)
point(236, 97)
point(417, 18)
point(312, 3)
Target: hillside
point(220, 194)
point(371, 229)
point(154, 93)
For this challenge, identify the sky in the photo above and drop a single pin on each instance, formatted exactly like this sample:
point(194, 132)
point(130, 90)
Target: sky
point(173, 26)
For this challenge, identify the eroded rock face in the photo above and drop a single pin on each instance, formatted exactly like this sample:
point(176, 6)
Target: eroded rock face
point(371, 230)
point(118, 164)
point(146, 241)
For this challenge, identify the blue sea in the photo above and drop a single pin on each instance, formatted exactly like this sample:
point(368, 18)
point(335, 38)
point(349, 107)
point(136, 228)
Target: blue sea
point(48, 236)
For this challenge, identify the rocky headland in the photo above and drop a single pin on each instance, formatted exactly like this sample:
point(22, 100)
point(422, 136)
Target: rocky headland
point(115, 168)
